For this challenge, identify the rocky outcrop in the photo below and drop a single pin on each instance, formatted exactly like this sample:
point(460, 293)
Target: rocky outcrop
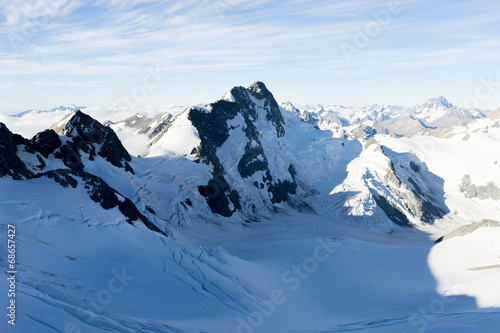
point(154, 127)
point(253, 104)
point(89, 136)
point(407, 193)
point(482, 192)
point(46, 142)
point(10, 164)
point(469, 228)
point(415, 188)
point(495, 115)
point(392, 211)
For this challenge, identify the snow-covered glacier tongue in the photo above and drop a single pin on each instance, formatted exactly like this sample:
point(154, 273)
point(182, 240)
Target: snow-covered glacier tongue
point(246, 216)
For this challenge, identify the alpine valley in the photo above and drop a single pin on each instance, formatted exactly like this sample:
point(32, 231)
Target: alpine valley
point(246, 215)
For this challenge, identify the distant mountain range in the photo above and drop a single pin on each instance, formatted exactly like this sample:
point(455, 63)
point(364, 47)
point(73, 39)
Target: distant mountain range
point(434, 113)
point(63, 108)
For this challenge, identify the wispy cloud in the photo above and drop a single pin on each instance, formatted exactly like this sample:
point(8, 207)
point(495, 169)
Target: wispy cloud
point(36, 11)
point(94, 41)
point(70, 84)
point(128, 35)
point(6, 86)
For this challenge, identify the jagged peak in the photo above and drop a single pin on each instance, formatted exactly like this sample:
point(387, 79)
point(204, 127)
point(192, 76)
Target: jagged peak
point(92, 137)
point(77, 120)
point(259, 87)
point(438, 102)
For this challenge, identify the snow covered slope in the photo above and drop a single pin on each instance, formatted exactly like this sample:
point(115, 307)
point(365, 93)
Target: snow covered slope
point(246, 216)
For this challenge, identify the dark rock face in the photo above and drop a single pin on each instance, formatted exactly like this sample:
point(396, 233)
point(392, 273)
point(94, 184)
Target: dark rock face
point(418, 191)
point(10, 163)
point(425, 200)
point(414, 167)
point(213, 130)
point(392, 212)
point(259, 91)
point(46, 142)
point(91, 137)
point(100, 192)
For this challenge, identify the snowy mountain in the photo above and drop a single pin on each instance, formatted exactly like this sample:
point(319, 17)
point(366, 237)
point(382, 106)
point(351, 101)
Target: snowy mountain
point(63, 159)
point(246, 216)
point(435, 113)
point(59, 109)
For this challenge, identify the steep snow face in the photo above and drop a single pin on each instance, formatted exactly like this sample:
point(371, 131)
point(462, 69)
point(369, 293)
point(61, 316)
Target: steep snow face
point(382, 184)
point(461, 153)
point(180, 139)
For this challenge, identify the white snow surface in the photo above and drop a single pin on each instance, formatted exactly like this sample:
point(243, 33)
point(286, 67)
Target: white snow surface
point(85, 269)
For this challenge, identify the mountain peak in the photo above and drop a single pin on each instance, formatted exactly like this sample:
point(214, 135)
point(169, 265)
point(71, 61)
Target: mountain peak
point(67, 107)
point(92, 137)
point(259, 87)
point(74, 120)
point(439, 102)
point(259, 90)
point(241, 119)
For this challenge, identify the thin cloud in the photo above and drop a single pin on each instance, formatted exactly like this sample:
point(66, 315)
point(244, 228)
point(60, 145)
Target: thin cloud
point(119, 39)
point(71, 84)
point(6, 86)
point(36, 11)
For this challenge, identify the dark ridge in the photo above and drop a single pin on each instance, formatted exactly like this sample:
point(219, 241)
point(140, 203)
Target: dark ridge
point(418, 191)
point(392, 212)
point(10, 163)
point(260, 91)
point(86, 134)
point(46, 142)
point(213, 130)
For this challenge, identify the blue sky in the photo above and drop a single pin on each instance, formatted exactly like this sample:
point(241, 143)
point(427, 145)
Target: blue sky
point(183, 52)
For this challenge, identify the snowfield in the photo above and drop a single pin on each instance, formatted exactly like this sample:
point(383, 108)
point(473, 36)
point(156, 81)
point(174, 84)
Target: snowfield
point(375, 232)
